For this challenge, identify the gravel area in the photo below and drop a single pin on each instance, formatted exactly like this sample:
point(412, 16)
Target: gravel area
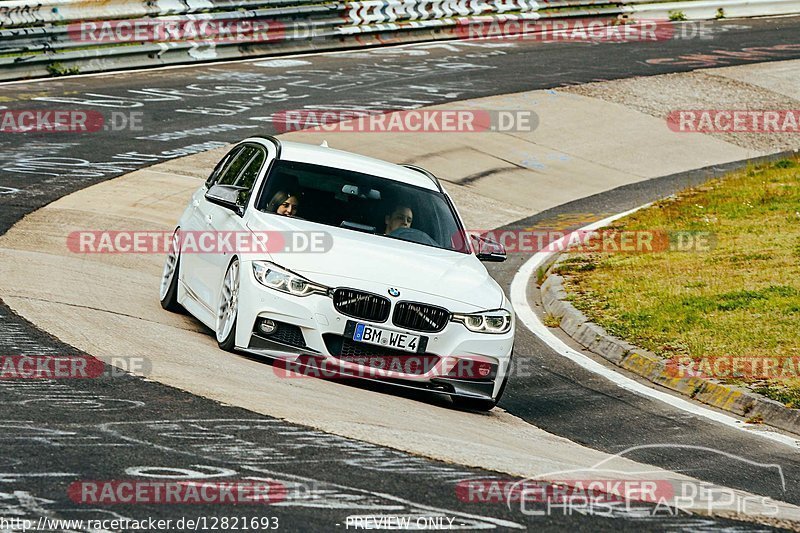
point(700, 90)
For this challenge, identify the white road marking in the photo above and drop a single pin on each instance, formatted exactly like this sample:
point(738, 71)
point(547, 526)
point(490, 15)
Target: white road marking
point(282, 63)
point(526, 315)
point(308, 53)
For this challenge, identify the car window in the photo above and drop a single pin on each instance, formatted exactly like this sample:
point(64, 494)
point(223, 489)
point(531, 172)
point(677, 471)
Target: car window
point(237, 164)
point(361, 202)
point(222, 166)
point(247, 177)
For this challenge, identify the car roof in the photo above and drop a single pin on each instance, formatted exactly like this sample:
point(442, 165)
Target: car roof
point(323, 155)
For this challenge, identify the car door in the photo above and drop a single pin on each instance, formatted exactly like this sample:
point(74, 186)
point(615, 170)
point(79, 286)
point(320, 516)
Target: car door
point(225, 221)
point(199, 227)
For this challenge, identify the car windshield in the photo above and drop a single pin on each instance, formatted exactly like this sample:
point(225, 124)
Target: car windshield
point(361, 202)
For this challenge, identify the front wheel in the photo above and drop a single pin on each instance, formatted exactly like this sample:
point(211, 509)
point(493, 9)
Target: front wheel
point(168, 292)
point(228, 308)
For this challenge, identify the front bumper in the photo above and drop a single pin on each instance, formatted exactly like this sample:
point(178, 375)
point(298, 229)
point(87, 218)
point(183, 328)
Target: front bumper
point(311, 341)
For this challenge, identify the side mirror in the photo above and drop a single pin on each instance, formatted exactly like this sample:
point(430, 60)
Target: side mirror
point(228, 196)
point(488, 250)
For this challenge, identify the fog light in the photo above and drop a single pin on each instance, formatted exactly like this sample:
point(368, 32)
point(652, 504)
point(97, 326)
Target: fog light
point(267, 326)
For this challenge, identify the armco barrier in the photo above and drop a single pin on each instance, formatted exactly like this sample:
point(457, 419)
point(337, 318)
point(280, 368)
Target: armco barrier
point(708, 9)
point(43, 38)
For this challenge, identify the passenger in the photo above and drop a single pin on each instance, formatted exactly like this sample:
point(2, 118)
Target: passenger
point(284, 203)
point(400, 217)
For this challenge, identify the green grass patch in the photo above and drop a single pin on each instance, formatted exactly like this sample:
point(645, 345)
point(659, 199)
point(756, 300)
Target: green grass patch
point(57, 69)
point(677, 16)
point(739, 299)
point(552, 321)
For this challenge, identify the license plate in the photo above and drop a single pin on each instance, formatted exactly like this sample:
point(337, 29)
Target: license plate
point(386, 338)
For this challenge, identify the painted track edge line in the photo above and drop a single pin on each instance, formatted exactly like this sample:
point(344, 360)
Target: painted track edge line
point(519, 300)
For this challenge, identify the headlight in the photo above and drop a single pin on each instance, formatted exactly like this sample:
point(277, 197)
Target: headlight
point(272, 276)
point(497, 321)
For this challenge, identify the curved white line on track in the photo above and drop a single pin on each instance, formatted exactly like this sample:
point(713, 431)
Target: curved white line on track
point(527, 316)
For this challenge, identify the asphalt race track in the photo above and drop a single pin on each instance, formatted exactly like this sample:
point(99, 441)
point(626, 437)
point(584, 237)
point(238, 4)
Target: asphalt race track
point(121, 426)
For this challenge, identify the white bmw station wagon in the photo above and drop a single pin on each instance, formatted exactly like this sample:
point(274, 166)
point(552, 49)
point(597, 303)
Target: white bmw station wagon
point(345, 265)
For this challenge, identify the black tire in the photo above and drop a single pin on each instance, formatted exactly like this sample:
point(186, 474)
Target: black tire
point(229, 342)
point(170, 299)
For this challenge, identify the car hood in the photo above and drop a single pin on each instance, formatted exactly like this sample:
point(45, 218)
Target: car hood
point(355, 256)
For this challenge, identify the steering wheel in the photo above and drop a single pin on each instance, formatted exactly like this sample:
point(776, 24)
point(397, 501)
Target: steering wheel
point(413, 235)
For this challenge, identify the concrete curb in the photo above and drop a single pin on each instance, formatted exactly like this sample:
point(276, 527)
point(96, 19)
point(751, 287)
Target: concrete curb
point(648, 365)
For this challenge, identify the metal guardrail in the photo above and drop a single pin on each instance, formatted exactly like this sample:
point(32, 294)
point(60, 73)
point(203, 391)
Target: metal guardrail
point(708, 9)
point(57, 36)
point(15, 13)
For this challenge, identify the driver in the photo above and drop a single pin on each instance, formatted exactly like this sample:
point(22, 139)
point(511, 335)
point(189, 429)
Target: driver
point(400, 217)
point(284, 203)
